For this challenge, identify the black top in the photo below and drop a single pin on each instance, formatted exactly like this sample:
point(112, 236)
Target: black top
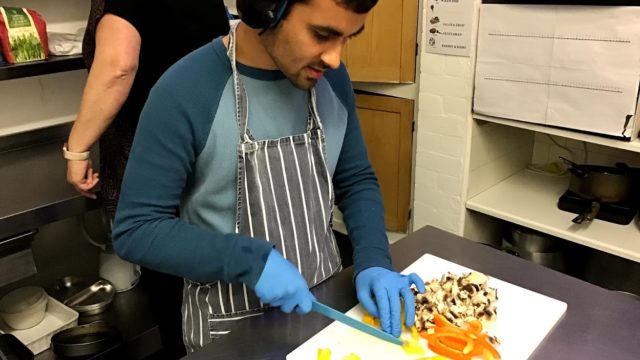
point(169, 30)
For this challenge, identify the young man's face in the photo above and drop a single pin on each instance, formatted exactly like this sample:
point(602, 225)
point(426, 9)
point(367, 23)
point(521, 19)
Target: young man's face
point(311, 38)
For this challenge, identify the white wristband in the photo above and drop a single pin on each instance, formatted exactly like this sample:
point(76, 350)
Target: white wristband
point(76, 156)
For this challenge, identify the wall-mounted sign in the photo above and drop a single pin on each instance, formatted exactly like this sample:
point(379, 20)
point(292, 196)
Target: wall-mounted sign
point(448, 27)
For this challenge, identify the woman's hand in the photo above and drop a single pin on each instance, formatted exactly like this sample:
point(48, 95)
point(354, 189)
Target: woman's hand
point(80, 174)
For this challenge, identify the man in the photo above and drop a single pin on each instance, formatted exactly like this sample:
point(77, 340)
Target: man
point(238, 154)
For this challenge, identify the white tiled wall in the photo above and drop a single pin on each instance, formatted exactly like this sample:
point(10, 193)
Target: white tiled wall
point(41, 101)
point(443, 139)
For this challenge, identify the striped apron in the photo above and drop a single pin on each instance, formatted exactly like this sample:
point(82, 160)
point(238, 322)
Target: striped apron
point(284, 196)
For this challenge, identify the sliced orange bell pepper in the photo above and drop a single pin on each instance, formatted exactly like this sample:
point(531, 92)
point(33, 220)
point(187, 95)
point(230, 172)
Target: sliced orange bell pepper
point(473, 326)
point(440, 346)
point(459, 343)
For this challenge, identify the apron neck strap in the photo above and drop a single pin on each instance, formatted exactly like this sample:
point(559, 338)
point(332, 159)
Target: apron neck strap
point(242, 101)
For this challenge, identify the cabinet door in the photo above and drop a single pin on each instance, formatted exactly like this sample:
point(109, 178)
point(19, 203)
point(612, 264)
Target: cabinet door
point(386, 50)
point(386, 124)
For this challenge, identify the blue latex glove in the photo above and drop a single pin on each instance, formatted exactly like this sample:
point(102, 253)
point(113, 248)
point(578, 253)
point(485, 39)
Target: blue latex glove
point(281, 285)
point(387, 287)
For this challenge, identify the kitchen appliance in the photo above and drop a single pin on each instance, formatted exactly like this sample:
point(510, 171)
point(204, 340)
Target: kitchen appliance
point(123, 275)
point(619, 213)
point(524, 320)
point(596, 186)
point(356, 324)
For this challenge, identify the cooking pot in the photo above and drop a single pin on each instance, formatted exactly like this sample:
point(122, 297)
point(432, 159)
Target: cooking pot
point(600, 184)
point(532, 241)
point(535, 246)
point(85, 340)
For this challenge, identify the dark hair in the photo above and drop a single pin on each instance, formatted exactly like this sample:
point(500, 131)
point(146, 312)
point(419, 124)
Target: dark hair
point(357, 6)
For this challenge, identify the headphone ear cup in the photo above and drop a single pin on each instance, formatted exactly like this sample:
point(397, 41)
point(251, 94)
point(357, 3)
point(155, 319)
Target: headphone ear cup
point(260, 14)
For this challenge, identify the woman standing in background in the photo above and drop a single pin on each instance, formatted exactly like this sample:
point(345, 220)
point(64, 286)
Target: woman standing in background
point(127, 46)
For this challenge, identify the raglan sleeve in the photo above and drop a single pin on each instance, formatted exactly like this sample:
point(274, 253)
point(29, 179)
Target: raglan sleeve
point(357, 191)
point(147, 229)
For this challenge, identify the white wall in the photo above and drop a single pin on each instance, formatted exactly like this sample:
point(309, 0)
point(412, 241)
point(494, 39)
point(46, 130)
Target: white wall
point(443, 138)
point(41, 101)
point(547, 149)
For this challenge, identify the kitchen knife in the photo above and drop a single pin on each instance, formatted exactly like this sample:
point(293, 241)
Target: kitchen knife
point(358, 325)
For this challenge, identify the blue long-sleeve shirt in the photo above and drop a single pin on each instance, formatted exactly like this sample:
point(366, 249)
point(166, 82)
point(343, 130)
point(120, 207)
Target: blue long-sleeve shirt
point(177, 206)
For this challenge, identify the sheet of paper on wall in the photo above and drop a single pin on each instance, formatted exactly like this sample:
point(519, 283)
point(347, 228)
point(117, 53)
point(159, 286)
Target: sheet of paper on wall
point(575, 67)
point(448, 27)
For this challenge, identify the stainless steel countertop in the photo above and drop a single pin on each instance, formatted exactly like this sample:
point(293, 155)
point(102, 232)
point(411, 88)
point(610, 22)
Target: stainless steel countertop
point(598, 324)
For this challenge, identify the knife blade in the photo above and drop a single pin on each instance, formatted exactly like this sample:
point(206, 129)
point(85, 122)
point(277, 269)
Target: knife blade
point(358, 325)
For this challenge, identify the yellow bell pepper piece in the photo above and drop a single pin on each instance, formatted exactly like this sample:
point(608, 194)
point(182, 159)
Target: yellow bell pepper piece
point(414, 334)
point(324, 354)
point(351, 356)
point(412, 347)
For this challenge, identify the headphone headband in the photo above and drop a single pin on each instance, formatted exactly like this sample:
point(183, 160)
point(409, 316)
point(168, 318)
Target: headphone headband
point(261, 14)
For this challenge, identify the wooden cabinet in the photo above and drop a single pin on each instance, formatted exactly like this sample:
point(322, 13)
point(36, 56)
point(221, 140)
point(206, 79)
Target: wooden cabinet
point(386, 49)
point(387, 127)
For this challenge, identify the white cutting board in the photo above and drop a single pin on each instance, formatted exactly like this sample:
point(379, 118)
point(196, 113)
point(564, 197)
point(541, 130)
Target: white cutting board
point(524, 319)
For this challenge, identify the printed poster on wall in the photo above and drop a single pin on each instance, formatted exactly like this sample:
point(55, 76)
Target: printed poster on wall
point(448, 27)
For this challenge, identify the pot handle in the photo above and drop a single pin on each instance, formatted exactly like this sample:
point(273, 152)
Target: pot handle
point(589, 214)
point(574, 168)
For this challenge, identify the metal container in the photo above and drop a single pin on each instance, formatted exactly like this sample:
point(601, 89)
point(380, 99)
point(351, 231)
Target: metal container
point(611, 272)
point(85, 340)
point(535, 246)
point(532, 241)
point(554, 260)
point(600, 184)
point(88, 297)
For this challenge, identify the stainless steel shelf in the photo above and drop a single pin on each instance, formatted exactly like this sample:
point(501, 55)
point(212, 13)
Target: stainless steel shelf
point(33, 187)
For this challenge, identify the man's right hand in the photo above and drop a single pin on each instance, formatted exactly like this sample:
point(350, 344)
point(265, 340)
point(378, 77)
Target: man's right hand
point(80, 174)
point(282, 286)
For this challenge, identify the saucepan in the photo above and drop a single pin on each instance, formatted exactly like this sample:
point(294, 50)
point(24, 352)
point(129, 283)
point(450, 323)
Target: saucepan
point(599, 184)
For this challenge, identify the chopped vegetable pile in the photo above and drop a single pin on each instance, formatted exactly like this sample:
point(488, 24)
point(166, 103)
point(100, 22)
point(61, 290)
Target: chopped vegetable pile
point(458, 298)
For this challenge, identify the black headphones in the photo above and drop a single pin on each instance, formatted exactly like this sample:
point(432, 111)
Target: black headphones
point(261, 14)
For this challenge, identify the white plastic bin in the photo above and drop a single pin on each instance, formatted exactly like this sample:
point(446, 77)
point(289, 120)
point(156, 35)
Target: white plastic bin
point(38, 338)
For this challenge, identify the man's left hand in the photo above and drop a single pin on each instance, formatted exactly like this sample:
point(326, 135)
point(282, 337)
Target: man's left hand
point(379, 291)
